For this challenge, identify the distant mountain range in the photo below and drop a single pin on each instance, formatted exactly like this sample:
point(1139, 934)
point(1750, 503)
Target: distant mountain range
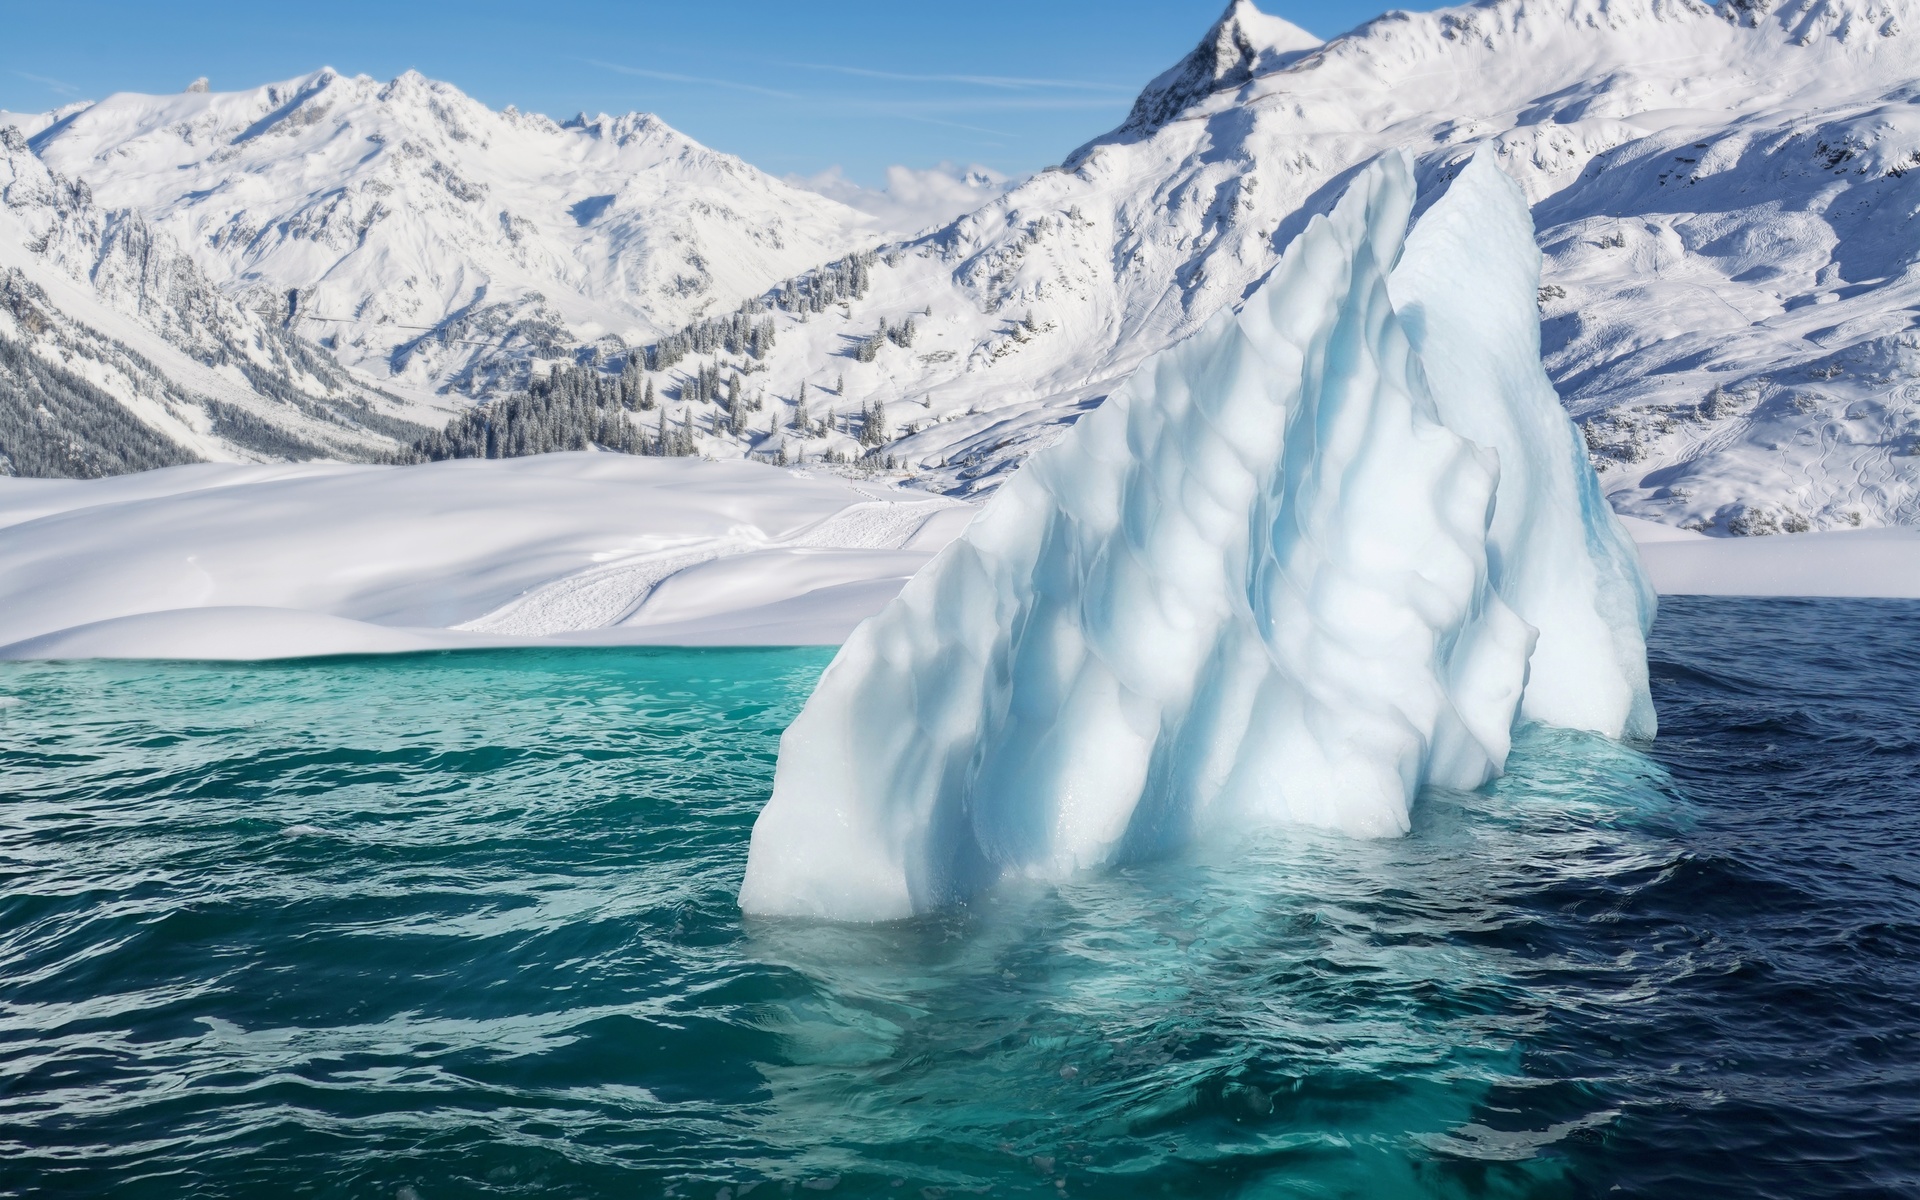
point(118, 353)
point(409, 204)
point(1725, 197)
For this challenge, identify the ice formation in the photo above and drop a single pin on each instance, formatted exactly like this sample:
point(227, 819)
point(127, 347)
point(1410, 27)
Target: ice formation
point(1465, 293)
point(1275, 577)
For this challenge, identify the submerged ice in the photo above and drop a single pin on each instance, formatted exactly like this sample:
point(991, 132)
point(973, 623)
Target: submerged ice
point(1322, 554)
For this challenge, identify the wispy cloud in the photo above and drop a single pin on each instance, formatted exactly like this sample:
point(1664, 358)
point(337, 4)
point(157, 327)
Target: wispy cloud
point(56, 86)
point(925, 110)
point(1010, 104)
point(914, 198)
point(987, 81)
point(907, 116)
point(698, 80)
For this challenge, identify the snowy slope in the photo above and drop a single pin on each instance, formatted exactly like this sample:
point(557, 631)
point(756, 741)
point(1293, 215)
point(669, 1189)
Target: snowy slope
point(99, 313)
point(1724, 195)
point(31, 123)
point(400, 205)
point(225, 561)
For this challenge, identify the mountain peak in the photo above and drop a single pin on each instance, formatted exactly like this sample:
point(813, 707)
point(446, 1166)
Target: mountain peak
point(1242, 43)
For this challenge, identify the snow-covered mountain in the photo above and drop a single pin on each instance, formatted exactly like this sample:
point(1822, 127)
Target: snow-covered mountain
point(31, 123)
point(1724, 194)
point(117, 353)
point(420, 227)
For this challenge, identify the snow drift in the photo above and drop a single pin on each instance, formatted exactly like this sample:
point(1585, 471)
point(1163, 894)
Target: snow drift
point(1280, 575)
point(228, 561)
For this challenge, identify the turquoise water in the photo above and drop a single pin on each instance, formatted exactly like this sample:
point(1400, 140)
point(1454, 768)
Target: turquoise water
point(463, 925)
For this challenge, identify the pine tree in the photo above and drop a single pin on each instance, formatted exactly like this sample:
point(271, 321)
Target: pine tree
point(873, 424)
point(629, 385)
point(737, 407)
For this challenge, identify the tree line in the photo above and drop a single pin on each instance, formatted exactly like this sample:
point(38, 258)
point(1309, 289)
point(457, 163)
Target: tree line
point(56, 425)
point(748, 331)
point(575, 408)
point(568, 408)
point(579, 407)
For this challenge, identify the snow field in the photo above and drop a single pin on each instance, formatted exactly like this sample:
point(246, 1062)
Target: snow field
point(1864, 563)
point(570, 546)
point(98, 590)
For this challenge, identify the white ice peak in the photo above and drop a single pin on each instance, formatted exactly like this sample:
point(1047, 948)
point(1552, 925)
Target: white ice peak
point(1280, 575)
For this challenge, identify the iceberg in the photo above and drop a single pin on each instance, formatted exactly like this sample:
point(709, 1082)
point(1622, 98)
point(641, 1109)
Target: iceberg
point(1465, 292)
point(1324, 553)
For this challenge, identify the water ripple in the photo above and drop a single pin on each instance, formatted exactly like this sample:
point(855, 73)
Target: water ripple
point(463, 925)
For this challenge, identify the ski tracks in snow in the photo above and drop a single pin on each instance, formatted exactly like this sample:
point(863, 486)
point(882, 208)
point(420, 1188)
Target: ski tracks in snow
point(614, 593)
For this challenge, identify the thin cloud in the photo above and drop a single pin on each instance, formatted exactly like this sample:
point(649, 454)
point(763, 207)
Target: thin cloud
point(56, 86)
point(991, 81)
point(913, 199)
point(988, 104)
point(704, 81)
point(943, 112)
point(926, 111)
point(904, 116)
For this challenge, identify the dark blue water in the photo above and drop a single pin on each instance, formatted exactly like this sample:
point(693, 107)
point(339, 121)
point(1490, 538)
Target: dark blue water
point(463, 925)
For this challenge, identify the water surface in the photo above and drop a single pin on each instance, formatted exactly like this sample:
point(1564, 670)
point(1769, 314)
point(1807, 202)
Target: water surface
point(463, 925)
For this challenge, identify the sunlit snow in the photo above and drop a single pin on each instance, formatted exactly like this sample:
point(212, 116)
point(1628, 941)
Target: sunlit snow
point(1273, 577)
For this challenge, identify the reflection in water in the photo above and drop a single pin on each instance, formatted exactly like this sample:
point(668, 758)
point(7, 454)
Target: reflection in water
point(1299, 1009)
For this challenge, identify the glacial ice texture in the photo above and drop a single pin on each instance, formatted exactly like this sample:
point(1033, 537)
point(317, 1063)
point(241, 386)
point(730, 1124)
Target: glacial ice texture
point(1279, 576)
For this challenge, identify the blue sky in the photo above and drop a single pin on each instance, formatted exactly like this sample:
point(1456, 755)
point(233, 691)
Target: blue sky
point(791, 87)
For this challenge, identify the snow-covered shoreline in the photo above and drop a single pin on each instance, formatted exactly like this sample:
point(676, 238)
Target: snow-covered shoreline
point(1861, 563)
point(217, 561)
point(222, 561)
